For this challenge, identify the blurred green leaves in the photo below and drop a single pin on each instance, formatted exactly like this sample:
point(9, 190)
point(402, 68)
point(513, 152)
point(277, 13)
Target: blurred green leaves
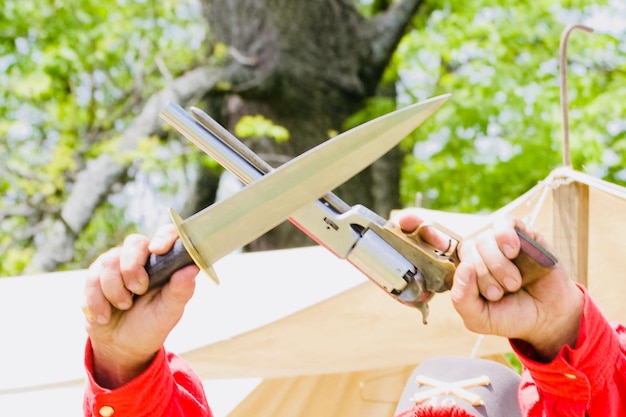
point(260, 126)
point(500, 133)
point(73, 74)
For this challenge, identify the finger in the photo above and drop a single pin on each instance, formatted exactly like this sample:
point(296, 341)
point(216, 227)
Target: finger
point(410, 223)
point(488, 286)
point(466, 297)
point(184, 281)
point(132, 263)
point(507, 239)
point(435, 238)
point(97, 307)
point(501, 269)
point(111, 281)
point(175, 295)
point(163, 239)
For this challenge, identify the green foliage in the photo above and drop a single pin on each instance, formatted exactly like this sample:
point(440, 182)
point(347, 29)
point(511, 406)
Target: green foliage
point(107, 228)
point(513, 361)
point(73, 73)
point(375, 107)
point(370, 8)
point(259, 126)
point(500, 132)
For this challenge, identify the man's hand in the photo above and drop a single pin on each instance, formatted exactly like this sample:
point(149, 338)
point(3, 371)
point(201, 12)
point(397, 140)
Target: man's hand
point(126, 324)
point(487, 291)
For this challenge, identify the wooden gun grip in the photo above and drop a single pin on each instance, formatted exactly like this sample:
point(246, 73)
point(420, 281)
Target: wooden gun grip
point(533, 261)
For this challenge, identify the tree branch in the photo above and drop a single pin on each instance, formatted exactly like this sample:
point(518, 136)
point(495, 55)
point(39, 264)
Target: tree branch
point(389, 27)
point(93, 184)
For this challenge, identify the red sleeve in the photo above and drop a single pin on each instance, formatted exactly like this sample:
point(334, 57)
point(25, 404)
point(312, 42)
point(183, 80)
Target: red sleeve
point(589, 379)
point(169, 387)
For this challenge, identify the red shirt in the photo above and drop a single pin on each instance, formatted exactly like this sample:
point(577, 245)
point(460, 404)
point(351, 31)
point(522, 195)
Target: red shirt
point(589, 380)
point(169, 387)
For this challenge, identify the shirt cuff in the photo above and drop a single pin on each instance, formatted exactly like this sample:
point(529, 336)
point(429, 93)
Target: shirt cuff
point(146, 395)
point(579, 370)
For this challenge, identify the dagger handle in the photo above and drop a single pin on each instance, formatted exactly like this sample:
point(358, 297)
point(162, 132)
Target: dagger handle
point(161, 267)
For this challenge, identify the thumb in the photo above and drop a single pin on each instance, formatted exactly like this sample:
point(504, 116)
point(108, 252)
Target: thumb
point(177, 292)
point(464, 292)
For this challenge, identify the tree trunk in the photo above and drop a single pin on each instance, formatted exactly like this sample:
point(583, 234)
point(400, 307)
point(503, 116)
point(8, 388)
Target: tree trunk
point(315, 63)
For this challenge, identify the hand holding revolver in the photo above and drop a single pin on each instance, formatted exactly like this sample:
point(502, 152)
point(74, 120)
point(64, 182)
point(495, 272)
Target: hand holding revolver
point(488, 294)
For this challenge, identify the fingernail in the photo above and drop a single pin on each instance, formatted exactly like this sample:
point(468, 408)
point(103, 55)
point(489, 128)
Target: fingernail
point(124, 305)
point(102, 319)
point(494, 293)
point(510, 284)
point(459, 280)
point(137, 287)
point(157, 243)
point(509, 252)
point(458, 290)
point(88, 314)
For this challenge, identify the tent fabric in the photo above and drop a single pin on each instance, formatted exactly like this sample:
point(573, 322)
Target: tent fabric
point(42, 319)
point(371, 393)
point(359, 329)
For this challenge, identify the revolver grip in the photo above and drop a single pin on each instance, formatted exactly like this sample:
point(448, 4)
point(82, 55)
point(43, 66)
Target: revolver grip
point(437, 268)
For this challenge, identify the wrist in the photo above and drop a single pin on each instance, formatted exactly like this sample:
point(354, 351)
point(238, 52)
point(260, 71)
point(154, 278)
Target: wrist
point(112, 369)
point(561, 329)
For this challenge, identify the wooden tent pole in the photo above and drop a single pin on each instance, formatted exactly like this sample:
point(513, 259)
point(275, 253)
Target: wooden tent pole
point(564, 102)
point(571, 199)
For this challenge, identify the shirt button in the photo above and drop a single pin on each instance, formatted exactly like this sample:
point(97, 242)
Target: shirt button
point(570, 376)
point(106, 411)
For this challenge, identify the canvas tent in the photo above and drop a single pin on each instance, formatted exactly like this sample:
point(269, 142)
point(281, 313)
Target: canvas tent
point(302, 332)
